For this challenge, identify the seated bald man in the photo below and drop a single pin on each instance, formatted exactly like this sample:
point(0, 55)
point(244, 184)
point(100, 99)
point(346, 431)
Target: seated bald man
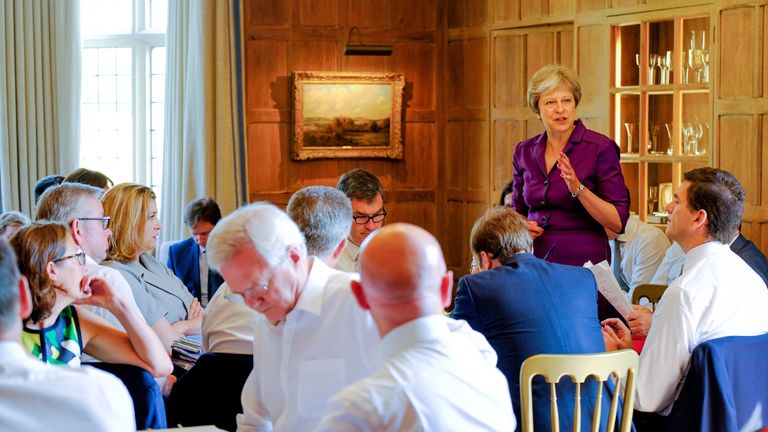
point(437, 373)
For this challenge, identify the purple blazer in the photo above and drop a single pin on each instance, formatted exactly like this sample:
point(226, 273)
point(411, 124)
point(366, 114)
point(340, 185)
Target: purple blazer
point(571, 235)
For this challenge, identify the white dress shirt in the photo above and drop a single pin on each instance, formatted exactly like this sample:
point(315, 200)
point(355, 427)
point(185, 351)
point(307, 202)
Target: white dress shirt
point(35, 396)
point(349, 260)
point(227, 326)
point(325, 343)
point(642, 249)
point(671, 266)
point(439, 375)
point(717, 295)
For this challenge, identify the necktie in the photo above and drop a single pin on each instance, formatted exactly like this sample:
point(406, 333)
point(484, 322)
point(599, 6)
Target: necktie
point(616, 265)
point(203, 278)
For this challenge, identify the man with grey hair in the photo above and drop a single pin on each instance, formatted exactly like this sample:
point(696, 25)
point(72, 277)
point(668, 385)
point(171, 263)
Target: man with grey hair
point(324, 216)
point(79, 206)
point(368, 213)
point(525, 306)
point(310, 338)
point(12, 221)
point(40, 396)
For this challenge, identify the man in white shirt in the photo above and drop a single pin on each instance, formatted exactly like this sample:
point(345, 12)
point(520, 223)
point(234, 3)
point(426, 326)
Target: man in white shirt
point(227, 326)
point(717, 294)
point(436, 373)
point(367, 197)
point(310, 338)
point(637, 252)
point(37, 396)
point(324, 216)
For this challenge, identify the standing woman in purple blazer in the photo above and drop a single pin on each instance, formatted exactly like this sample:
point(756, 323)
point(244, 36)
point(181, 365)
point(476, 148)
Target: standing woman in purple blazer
point(568, 180)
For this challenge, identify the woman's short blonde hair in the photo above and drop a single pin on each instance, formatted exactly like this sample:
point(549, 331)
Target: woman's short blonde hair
point(548, 78)
point(37, 245)
point(128, 206)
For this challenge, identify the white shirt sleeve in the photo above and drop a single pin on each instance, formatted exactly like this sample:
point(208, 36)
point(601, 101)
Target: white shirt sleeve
point(648, 255)
point(255, 416)
point(666, 353)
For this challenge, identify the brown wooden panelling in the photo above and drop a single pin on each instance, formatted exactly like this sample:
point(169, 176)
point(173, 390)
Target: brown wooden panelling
point(454, 88)
point(740, 159)
point(506, 10)
point(593, 55)
point(455, 245)
point(507, 134)
point(477, 155)
point(509, 87)
point(540, 51)
point(367, 14)
point(454, 10)
point(566, 48)
point(531, 9)
point(739, 66)
point(266, 59)
point(407, 15)
point(561, 8)
point(476, 13)
point(476, 73)
point(266, 13)
point(590, 5)
point(318, 13)
point(454, 155)
point(417, 62)
point(314, 55)
point(267, 160)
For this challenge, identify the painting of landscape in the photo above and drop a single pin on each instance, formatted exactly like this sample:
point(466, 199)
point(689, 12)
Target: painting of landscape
point(347, 115)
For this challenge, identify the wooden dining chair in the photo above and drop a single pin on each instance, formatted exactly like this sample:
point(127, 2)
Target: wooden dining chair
point(652, 292)
point(579, 367)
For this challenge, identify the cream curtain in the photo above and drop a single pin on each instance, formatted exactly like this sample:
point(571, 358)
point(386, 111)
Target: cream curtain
point(204, 144)
point(39, 95)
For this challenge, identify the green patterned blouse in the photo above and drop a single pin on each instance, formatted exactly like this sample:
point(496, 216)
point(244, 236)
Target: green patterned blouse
point(60, 344)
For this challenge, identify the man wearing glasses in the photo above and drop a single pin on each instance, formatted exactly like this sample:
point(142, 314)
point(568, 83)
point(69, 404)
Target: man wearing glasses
point(368, 213)
point(310, 339)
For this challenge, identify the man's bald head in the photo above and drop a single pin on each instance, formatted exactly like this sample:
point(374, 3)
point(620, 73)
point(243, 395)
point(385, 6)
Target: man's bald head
point(402, 275)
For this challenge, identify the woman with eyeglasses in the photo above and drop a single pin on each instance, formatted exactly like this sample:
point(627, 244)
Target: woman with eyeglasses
point(162, 298)
point(58, 331)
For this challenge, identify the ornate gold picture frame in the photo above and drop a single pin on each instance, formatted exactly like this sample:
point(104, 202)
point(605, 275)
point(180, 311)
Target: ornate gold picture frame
point(347, 115)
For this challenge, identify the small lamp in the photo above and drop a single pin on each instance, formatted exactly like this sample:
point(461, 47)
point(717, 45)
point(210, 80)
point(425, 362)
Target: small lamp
point(362, 49)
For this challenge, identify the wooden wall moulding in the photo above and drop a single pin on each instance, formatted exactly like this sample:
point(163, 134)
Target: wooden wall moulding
point(347, 115)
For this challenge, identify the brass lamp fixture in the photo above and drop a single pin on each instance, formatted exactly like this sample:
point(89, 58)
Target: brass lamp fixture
point(361, 49)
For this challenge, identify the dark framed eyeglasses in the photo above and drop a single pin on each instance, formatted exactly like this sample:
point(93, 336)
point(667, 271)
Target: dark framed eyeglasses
point(363, 219)
point(80, 258)
point(104, 220)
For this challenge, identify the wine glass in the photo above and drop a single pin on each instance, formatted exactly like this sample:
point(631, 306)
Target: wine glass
point(630, 127)
point(686, 67)
point(653, 198)
point(662, 60)
point(653, 131)
point(705, 60)
point(639, 69)
point(687, 132)
point(668, 62)
point(668, 127)
point(654, 58)
point(696, 134)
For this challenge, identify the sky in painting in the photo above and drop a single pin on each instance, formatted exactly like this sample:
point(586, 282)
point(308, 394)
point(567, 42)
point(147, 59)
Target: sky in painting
point(370, 101)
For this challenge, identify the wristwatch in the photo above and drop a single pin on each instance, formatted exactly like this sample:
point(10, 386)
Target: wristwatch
point(578, 191)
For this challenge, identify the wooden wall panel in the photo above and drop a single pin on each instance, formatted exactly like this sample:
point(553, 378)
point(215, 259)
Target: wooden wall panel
point(454, 155)
point(454, 67)
point(476, 13)
point(417, 62)
point(566, 48)
point(272, 152)
point(506, 10)
point(476, 73)
point(739, 62)
point(454, 246)
point(507, 133)
point(318, 13)
point(508, 74)
point(266, 13)
point(314, 55)
point(740, 159)
point(593, 55)
point(477, 155)
point(532, 9)
point(540, 51)
point(264, 62)
point(590, 5)
point(408, 17)
point(561, 8)
point(366, 13)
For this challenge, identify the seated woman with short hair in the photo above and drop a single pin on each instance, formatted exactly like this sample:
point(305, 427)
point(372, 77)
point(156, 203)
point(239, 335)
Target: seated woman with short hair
point(162, 298)
point(57, 331)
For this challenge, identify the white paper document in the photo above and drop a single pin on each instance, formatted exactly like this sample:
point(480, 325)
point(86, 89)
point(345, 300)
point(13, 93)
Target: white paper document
point(609, 287)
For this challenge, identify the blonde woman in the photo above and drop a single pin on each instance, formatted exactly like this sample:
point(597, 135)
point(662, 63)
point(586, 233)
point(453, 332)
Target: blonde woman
point(162, 298)
point(57, 332)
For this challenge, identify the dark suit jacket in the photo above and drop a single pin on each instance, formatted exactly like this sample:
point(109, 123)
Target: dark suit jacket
point(184, 262)
point(530, 306)
point(752, 256)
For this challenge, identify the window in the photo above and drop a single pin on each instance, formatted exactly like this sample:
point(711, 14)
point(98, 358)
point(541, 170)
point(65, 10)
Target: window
point(123, 89)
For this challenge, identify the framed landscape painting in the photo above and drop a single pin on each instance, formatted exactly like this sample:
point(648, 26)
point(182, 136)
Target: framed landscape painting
point(347, 115)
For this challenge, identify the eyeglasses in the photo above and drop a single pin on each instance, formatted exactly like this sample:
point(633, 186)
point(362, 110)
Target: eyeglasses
point(363, 219)
point(79, 255)
point(104, 220)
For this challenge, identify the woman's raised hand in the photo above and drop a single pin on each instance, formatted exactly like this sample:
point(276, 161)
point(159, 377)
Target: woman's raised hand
point(567, 173)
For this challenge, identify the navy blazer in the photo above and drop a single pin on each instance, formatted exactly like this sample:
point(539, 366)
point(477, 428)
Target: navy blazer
point(530, 306)
point(183, 260)
point(751, 255)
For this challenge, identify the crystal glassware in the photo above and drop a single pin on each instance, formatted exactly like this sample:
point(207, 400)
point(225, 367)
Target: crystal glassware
point(653, 60)
point(639, 69)
point(630, 127)
point(668, 127)
point(668, 63)
point(653, 132)
point(653, 198)
point(687, 131)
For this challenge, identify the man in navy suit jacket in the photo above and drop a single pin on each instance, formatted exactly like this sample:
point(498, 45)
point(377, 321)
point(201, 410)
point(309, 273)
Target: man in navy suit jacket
point(751, 255)
point(525, 306)
point(187, 258)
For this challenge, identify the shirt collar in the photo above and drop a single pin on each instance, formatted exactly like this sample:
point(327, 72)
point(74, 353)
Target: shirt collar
point(413, 332)
point(311, 297)
point(703, 250)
